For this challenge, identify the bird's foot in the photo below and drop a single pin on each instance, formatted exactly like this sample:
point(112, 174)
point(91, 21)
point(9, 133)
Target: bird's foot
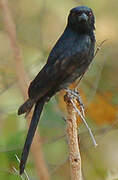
point(75, 93)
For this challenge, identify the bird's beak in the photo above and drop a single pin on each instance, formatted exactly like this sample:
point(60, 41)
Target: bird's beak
point(83, 18)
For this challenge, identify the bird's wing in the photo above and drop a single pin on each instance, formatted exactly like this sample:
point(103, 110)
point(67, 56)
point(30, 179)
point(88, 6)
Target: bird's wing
point(59, 67)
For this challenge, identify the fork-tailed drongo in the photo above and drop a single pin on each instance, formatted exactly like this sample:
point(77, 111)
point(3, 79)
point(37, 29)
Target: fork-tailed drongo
point(67, 61)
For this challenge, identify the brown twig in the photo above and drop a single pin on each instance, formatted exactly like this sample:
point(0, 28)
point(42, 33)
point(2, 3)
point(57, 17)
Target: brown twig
point(81, 112)
point(72, 135)
point(36, 149)
point(99, 46)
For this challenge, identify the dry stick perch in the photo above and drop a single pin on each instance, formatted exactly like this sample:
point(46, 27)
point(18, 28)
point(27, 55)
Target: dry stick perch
point(36, 148)
point(72, 135)
point(81, 114)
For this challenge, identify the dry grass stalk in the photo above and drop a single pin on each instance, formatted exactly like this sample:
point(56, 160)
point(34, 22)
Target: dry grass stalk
point(72, 135)
point(36, 148)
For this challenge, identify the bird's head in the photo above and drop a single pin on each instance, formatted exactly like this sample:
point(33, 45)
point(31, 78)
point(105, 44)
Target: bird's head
point(81, 19)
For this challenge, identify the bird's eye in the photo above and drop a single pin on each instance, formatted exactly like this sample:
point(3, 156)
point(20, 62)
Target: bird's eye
point(90, 14)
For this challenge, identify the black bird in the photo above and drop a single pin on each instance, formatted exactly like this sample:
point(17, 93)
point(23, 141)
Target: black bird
point(67, 61)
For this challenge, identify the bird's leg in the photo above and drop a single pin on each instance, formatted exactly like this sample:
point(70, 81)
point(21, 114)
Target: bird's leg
point(73, 92)
point(79, 100)
point(76, 94)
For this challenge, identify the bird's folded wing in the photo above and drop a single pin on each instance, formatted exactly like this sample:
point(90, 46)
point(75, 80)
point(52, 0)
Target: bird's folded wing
point(58, 69)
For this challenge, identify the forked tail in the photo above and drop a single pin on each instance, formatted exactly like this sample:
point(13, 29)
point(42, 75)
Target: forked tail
point(33, 125)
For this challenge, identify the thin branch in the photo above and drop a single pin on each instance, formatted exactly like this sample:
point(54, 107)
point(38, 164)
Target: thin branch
point(10, 28)
point(97, 50)
point(17, 173)
point(27, 176)
point(84, 121)
point(72, 135)
point(82, 115)
point(99, 46)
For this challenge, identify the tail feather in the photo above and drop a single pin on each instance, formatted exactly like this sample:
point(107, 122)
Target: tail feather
point(33, 125)
point(26, 107)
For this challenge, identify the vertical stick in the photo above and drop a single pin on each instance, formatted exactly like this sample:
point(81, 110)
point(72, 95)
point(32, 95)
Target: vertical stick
point(72, 135)
point(36, 148)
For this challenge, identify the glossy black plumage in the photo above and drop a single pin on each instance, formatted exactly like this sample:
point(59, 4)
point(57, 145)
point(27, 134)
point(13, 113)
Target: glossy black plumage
point(67, 61)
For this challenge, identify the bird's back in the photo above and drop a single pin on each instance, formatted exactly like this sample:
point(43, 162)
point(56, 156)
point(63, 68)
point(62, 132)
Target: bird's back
point(71, 51)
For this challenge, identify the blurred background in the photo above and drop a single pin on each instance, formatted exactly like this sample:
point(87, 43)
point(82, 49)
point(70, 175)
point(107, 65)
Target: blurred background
point(39, 23)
